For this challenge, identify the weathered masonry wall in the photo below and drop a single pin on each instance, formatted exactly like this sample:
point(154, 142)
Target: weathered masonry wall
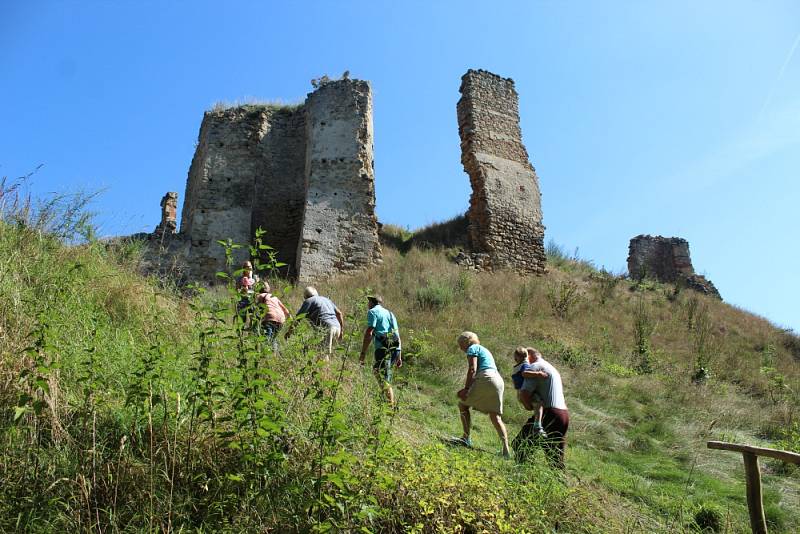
point(219, 192)
point(280, 189)
point(666, 259)
point(340, 230)
point(303, 173)
point(505, 216)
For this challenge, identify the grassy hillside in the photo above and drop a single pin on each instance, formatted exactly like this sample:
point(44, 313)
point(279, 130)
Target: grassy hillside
point(125, 406)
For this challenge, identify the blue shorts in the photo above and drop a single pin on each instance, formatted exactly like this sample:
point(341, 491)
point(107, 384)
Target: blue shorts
point(385, 360)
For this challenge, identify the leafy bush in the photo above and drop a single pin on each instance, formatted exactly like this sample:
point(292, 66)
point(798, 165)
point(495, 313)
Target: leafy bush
point(708, 518)
point(435, 295)
point(618, 370)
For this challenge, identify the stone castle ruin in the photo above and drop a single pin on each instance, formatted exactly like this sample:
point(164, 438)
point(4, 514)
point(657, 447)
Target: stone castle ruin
point(302, 173)
point(305, 175)
point(505, 215)
point(666, 259)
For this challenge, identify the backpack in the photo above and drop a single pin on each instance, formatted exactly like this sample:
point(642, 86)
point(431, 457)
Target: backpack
point(390, 339)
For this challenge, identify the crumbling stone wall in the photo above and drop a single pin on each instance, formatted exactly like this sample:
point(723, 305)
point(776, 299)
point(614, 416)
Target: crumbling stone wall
point(280, 190)
point(169, 214)
point(340, 230)
point(505, 216)
point(666, 259)
point(302, 173)
point(220, 190)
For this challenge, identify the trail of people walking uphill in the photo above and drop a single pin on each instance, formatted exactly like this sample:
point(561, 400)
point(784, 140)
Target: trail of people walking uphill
point(383, 332)
point(537, 382)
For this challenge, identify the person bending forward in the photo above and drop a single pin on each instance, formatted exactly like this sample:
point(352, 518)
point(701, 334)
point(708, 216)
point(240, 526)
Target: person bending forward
point(483, 389)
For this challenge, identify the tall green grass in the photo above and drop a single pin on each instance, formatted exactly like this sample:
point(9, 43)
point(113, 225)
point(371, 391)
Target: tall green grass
point(125, 406)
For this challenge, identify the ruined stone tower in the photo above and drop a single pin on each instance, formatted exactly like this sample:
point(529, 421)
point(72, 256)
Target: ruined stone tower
point(505, 216)
point(302, 173)
point(340, 229)
point(666, 259)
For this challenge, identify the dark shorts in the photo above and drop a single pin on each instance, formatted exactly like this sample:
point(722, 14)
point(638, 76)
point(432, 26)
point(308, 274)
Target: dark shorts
point(556, 424)
point(384, 363)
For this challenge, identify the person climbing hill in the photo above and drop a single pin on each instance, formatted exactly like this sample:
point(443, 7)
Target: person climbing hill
point(383, 332)
point(483, 389)
point(323, 314)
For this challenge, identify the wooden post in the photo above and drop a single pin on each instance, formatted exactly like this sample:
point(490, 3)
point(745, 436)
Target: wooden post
point(755, 504)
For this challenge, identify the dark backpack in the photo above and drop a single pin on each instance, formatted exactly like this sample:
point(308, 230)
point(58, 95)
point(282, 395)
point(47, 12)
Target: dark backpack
point(390, 339)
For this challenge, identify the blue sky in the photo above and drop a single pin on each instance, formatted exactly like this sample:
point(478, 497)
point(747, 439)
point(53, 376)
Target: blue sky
point(677, 118)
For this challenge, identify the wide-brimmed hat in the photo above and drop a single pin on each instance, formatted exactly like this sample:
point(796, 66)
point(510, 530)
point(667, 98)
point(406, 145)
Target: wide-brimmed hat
point(375, 298)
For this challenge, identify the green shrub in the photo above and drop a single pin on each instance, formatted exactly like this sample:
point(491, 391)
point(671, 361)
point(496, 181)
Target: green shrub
point(435, 295)
point(708, 518)
point(563, 296)
point(618, 370)
point(604, 285)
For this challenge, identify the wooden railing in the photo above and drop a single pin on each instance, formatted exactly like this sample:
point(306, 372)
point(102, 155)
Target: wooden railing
point(752, 472)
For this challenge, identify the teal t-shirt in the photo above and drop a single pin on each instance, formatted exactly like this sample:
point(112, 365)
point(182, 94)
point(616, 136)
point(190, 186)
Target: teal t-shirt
point(485, 358)
point(382, 321)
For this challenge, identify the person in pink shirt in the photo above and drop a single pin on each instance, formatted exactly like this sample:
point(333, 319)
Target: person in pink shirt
point(274, 312)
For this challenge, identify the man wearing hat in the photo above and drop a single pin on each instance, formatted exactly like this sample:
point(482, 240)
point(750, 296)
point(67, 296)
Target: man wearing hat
point(383, 332)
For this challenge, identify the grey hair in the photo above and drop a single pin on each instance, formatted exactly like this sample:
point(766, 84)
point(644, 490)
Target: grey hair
point(469, 338)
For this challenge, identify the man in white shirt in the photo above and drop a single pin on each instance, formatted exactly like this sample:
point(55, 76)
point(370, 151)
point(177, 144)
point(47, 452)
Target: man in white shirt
point(555, 419)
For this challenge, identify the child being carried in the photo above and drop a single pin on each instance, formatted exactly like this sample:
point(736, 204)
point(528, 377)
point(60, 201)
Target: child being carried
point(526, 389)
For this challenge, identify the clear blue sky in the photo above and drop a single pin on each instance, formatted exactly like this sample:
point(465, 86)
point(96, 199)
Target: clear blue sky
point(677, 118)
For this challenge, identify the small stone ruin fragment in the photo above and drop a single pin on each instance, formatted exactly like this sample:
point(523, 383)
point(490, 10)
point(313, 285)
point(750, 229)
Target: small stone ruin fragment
point(666, 259)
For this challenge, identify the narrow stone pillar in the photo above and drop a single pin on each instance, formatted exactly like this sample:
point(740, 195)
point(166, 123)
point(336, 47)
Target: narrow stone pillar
point(505, 215)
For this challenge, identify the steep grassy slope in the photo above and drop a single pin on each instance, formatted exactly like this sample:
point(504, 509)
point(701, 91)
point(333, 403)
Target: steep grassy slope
point(127, 407)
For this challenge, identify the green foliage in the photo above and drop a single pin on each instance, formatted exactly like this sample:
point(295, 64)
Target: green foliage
point(643, 327)
point(128, 408)
point(572, 355)
point(438, 293)
point(620, 371)
point(562, 296)
point(703, 342)
point(604, 285)
point(708, 518)
point(523, 300)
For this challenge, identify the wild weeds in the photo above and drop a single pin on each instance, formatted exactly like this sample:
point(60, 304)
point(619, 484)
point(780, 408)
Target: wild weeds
point(562, 296)
point(643, 327)
point(703, 343)
point(605, 284)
